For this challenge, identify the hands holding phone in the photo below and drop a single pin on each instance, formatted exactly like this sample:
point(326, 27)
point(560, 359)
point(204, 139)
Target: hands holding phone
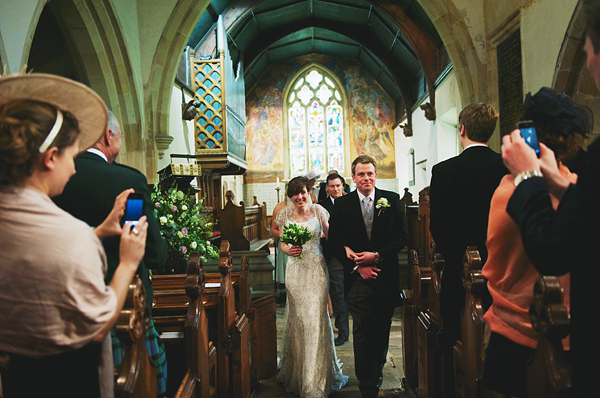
point(519, 157)
point(112, 224)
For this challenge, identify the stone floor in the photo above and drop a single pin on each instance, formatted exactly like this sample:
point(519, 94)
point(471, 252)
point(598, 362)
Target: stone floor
point(392, 372)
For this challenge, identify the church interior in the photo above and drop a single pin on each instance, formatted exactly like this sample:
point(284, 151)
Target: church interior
point(216, 95)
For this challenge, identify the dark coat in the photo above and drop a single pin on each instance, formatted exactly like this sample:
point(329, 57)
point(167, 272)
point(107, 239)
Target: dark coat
point(90, 196)
point(461, 190)
point(563, 241)
point(388, 236)
point(460, 193)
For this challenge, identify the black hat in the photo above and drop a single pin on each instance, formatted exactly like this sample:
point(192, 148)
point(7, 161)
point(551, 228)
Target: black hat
point(557, 114)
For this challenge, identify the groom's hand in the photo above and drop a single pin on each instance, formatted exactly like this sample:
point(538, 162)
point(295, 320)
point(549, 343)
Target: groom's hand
point(368, 272)
point(364, 258)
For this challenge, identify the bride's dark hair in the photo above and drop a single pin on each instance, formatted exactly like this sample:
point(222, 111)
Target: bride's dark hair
point(296, 184)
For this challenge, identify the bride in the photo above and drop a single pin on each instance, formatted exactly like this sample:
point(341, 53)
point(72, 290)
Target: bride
point(309, 365)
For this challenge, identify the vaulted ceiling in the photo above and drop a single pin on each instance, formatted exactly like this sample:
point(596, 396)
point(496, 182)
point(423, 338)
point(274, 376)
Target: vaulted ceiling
point(394, 40)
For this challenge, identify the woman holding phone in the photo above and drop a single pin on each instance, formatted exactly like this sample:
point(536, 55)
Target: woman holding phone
point(55, 309)
point(555, 120)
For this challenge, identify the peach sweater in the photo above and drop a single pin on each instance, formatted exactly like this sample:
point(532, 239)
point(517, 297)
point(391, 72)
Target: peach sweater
point(509, 273)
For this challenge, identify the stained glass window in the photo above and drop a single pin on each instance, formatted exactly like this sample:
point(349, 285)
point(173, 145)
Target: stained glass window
point(315, 124)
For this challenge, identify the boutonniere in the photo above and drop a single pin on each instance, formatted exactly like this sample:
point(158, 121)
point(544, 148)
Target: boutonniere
point(381, 205)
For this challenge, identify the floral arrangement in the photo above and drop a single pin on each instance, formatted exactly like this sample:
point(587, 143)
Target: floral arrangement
point(183, 225)
point(295, 235)
point(382, 204)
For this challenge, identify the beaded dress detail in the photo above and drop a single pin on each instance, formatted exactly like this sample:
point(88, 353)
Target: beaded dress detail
point(309, 364)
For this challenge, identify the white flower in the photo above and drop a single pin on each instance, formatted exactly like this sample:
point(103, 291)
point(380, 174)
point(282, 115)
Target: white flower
point(184, 207)
point(382, 202)
point(381, 205)
point(193, 245)
point(163, 220)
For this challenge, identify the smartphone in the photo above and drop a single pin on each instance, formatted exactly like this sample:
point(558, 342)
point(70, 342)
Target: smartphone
point(529, 134)
point(134, 208)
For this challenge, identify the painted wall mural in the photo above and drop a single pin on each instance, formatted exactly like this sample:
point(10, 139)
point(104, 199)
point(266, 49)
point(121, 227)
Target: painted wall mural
point(369, 121)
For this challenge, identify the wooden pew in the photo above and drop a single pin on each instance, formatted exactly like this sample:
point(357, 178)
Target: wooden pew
point(426, 363)
point(245, 228)
point(171, 305)
point(263, 321)
point(411, 297)
point(233, 354)
point(200, 379)
point(468, 352)
point(136, 377)
point(549, 375)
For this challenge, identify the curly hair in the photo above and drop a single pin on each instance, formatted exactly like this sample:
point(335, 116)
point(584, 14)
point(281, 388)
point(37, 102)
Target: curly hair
point(24, 124)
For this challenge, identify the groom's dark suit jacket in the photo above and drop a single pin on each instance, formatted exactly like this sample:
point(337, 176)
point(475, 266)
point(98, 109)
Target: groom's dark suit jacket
point(90, 195)
point(388, 236)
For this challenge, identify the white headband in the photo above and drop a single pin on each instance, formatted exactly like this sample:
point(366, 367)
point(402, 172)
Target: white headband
point(52, 135)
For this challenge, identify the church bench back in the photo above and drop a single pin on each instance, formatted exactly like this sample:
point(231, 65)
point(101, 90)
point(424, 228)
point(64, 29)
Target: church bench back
point(136, 377)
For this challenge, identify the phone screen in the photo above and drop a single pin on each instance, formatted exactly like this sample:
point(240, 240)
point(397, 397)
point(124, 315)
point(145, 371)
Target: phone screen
point(530, 136)
point(134, 209)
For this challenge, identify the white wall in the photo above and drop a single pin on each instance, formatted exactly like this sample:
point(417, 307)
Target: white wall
point(431, 142)
point(543, 27)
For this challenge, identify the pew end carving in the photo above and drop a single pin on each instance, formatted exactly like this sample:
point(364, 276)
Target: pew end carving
point(201, 375)
point(136, 377)
point(233, 353)
point(549, 374)
point(468, 352)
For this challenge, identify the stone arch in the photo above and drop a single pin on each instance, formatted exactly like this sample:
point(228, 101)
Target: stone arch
point(571, 74)
point(2, 55)
point(96, 35)
point(469, 65)
point(159, 86)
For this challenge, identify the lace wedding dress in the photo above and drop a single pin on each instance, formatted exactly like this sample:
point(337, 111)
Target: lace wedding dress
point(309, 364)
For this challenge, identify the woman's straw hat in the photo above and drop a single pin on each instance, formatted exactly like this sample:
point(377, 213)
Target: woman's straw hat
point(65, 94)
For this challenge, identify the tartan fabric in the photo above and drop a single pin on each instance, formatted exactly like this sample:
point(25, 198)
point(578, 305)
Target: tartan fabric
point(156, 353)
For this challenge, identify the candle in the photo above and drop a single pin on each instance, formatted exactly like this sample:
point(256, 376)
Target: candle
point(277, 182)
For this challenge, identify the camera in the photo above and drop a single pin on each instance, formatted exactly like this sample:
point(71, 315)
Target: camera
point(529, 134)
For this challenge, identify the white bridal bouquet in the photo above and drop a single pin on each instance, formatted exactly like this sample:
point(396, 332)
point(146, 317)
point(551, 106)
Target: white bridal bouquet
point(295, 235)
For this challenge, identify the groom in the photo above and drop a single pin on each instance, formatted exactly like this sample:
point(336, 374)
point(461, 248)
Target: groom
point(367, 230)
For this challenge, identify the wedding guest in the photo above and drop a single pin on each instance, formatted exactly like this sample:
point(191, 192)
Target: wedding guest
point(509, 272)
point(564, 239)
point(335, 189)
point(56, 311)
point(88, 196)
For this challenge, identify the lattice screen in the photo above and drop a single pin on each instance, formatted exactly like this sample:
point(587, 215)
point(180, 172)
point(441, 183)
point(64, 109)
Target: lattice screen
point(207, 83)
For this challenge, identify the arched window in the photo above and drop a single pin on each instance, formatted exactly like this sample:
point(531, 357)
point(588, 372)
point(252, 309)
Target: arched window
point(315, 123)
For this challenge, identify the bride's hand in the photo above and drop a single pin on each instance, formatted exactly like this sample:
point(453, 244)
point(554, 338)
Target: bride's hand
point(293, 251)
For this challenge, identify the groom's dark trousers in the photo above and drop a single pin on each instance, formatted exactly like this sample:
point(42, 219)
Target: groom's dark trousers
point(371, 302)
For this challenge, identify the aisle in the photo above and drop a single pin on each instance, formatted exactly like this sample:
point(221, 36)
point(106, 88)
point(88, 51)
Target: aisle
point(392, 372)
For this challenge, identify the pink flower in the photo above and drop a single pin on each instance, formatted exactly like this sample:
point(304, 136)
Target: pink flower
point(183, 249)
point(157, 205)
point(184, 230)
point(174, 208)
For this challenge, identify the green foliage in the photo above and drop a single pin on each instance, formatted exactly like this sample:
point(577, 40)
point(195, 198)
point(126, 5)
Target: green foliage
point(295, 234)
point(183, 224)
